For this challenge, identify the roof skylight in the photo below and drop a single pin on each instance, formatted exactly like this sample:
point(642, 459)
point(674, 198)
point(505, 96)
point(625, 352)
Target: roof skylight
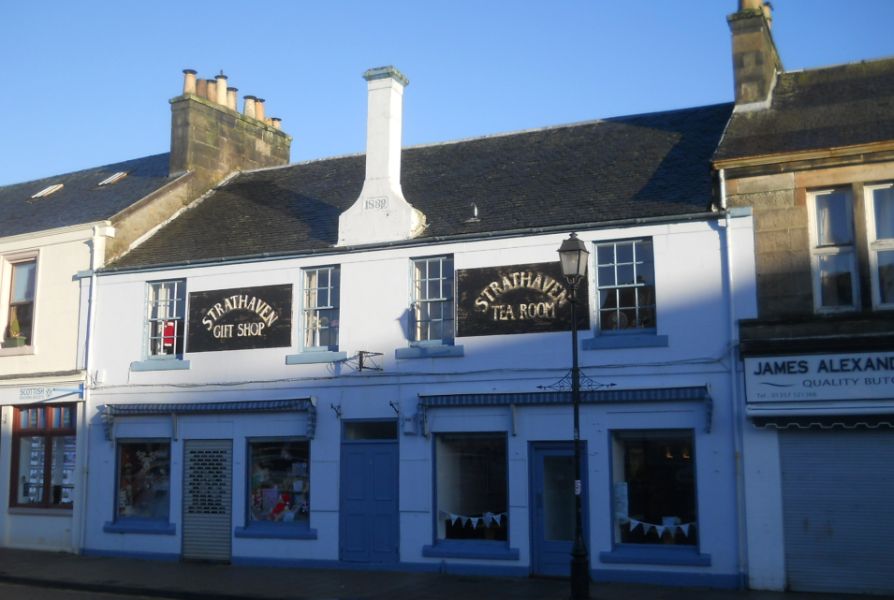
point(113, 178)
point(48, 190)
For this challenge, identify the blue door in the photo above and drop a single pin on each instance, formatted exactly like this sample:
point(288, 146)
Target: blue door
point(368, 509)
point(552, 502)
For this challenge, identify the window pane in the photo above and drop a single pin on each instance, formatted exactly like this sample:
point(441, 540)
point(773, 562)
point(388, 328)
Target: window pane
point(62, 471)
point(31, 418)
point(884, 213)
point(23, 281)
point(471, 486)
point(32, 461)
point(605, 254)
point(279, 481)
point(886, 276)
point(558, 497)
point(144, 480)
point(626, 289)
point(19, 324)
point(836, 287)
point(433, 299)
point(833, 219)
point(654, 487)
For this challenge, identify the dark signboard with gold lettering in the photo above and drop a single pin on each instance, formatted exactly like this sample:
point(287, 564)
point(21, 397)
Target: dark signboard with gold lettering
point(516, 299)
point(240, 318)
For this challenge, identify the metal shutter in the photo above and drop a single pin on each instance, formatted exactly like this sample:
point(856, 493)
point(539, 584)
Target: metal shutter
point(207, 499)
point(838, 509)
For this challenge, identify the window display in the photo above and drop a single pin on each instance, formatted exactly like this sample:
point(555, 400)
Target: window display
point(654, 487)
point(472, 486)
point(279, 481)
point(45, 448)
point(144, 480)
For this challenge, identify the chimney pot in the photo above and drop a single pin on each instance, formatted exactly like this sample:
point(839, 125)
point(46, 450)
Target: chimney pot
point(259, 109)
point(202, 88)
point(211, 90)
point(276, 122)
point(248, 106)
point(189, 81)
point(220, 84)
point(231, 97)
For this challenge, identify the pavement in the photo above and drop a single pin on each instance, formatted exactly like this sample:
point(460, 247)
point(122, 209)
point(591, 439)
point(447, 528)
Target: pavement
point(205, 581)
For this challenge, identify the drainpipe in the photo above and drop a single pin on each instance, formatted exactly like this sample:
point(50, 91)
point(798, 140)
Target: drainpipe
point(83, 425)
point(734, 388)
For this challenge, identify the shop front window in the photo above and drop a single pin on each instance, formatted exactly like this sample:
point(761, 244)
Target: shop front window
point(279, 481)
point(654, 487)
point(471, 486)
point(144, 480)
point(44, 452)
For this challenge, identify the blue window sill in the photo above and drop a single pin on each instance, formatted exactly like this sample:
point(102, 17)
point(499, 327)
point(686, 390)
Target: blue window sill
point(143, 526)
point(648, 554)
point(161, 364)
point(433, 351)
point(276, 531)
point(311, 357)
point(639, 340)
point(470, 549)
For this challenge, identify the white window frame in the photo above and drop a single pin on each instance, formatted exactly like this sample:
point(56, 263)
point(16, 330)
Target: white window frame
point(448, 284)
point(149, 320)
point(636, 287)
point(817, 252)
point(876, 245)
point(334, 292)
point(6, 271)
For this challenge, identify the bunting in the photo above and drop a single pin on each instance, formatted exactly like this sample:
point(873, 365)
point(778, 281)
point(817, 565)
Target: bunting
point(487, 518)
point(673, 528)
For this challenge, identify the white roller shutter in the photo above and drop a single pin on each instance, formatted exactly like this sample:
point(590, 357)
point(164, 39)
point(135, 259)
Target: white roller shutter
point(207, 499)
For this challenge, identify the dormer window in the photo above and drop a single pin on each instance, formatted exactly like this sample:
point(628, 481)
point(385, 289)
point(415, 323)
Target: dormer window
point(51, 189)
point(114, 178)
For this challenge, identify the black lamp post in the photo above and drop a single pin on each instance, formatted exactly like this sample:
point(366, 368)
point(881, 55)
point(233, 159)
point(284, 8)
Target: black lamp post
point(573, 255)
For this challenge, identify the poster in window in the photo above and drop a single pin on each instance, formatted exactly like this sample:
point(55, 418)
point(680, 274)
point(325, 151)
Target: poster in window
point(240, 318)
point(526, 298)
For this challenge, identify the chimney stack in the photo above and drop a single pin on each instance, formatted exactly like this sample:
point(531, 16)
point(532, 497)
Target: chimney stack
point(755, 58)
point(381, 213)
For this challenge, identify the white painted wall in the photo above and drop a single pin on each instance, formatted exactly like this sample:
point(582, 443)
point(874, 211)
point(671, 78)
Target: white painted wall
point(693, 311)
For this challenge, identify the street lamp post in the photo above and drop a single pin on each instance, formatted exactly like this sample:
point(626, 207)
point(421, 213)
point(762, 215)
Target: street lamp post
point(573, 255)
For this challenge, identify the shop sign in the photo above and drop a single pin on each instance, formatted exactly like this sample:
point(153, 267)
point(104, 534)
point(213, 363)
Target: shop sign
point(240, 318)
point(861, 376)
point(35, 394)
point(516, 299)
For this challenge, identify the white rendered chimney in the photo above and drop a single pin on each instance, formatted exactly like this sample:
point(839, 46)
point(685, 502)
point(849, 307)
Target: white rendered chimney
point(381, 213)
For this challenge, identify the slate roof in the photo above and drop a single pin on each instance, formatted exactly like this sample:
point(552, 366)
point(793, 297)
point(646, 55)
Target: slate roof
point(81, 200)
point(824, 108)
point(650, 165)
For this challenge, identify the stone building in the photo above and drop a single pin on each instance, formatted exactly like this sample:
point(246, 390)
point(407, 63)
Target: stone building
point(54, 234)
point(812, 154)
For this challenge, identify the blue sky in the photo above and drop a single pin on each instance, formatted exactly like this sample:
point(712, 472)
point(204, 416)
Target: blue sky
point(87, 83)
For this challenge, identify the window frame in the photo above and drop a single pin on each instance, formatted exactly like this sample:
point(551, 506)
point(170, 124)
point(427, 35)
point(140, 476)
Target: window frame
point(7, 287)
point(818, 252)
point(599, 289)
point(876, 245)
point(448, 301)
point(149, 321)
point(468, 544)
point(260, 528)
point(48, 431)
point(334, 291)
point(618, 474)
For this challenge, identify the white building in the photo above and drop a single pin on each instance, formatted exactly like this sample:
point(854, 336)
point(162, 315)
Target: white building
point(316, 366)
point(54, 234)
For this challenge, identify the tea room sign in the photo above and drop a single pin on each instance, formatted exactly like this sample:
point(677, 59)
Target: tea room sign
point(516, 299)
point(240, 318)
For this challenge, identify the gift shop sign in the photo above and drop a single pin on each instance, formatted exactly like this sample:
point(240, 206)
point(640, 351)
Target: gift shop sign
point(516, 299)
point(861, 376)
point(240, 318)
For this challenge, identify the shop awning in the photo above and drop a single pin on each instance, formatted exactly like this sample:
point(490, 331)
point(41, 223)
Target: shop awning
point(110, 412)
point(611, 396)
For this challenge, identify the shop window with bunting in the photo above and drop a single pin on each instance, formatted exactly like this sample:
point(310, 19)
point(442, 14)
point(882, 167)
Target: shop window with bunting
point(44, 452)
point(471, 480)
point(653, 481)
